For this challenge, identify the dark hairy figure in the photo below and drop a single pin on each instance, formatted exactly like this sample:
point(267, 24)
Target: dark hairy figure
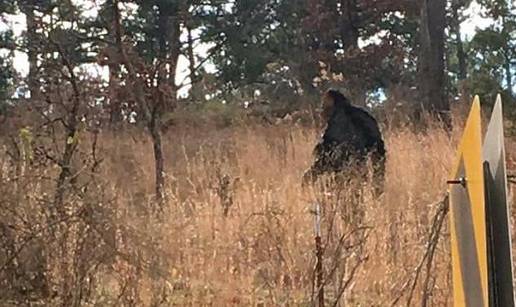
point(351, 137)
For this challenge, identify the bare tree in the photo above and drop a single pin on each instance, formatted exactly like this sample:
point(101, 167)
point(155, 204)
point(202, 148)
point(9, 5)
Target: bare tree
point(151, 106)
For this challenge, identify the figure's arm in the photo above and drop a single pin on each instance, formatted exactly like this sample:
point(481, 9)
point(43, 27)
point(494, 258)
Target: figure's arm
point(317, 168)
point(367, 123)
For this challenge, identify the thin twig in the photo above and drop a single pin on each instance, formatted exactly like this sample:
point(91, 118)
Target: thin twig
point(436, 231)
point(34, 236)
point(433, 239)
point(354, 270)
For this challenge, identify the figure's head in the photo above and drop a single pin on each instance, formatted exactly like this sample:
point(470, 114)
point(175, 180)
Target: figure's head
point(332, 100)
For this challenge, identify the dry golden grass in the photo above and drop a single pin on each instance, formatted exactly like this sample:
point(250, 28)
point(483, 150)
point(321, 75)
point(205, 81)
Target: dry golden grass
point(261, 253)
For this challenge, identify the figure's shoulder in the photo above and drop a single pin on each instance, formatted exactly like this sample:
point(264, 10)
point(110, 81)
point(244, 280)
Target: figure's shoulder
point(361, 113)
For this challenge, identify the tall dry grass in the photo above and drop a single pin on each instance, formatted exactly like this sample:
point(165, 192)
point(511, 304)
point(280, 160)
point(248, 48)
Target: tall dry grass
point(263, 250)
point(239, 228)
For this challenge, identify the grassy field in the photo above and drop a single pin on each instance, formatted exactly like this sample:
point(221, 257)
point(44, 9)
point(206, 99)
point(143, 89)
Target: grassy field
point(263, 250)
point(238, 228)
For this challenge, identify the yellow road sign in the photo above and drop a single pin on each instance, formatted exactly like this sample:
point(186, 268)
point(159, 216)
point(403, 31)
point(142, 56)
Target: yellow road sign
point(467, 218)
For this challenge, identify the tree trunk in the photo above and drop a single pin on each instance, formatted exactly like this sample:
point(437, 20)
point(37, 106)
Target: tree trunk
point(455, 28)
point(349, 36)
point(170, 46)
point(191, 62)
point(431, 59)
point(163, 29)
point(348, 30)
point(115, 107)
point(152, 119)
point(508, 74)
point(191, 57)
point(175, 45)
point(159, 165)
point(32, 78)
point(507, 53)
point(461, 56)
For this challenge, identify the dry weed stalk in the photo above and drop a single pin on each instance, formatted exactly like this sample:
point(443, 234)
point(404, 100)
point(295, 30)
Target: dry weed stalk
point(427, 259)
